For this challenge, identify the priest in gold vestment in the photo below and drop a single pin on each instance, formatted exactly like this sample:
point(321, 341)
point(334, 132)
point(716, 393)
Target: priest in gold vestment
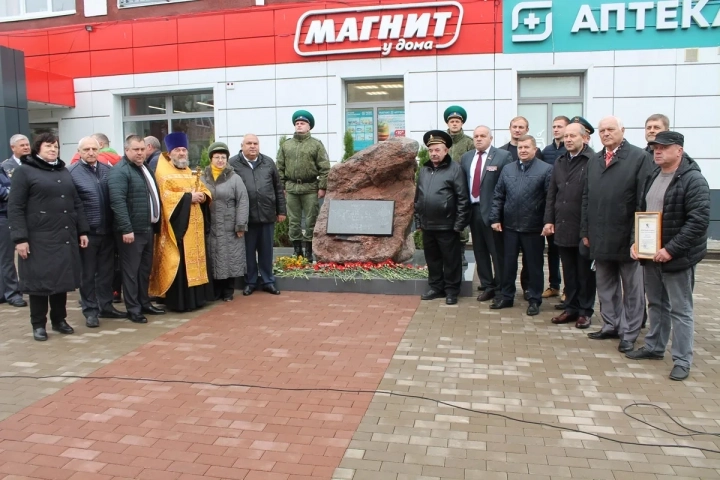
point(180, 268)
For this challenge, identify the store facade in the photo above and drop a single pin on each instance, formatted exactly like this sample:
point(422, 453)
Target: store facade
point(387, 69)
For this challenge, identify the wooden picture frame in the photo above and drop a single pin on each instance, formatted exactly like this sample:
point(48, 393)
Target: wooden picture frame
point(648, 234)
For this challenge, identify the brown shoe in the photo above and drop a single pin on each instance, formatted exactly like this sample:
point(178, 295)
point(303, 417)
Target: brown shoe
point(564, 318)
point(583, 322)
point(488, 294)
point(550, 292)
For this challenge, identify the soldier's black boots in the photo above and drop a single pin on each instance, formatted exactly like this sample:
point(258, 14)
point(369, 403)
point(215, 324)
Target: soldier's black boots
point(297, 245)
point(308, 251)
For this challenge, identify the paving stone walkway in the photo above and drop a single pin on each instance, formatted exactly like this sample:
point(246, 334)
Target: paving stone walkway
point(500, 362)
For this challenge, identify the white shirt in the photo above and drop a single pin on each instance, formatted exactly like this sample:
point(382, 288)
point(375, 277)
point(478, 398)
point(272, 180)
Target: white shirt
point(252, 163)
point(154, 216)
point(17, 160)
point(473, 166)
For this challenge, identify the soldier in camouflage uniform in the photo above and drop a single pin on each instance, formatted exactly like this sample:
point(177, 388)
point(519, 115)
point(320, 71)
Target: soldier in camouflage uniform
point(455, 117)
point(303, 165)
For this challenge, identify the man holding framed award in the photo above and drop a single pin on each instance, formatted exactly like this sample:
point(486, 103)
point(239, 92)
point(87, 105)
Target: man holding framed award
point(670, 239)
point(615, 176)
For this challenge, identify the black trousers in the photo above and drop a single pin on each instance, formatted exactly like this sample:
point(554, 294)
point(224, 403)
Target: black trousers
point(9, 286)
point(532, 245)
point(98, 263)
point(553, 255)
point(489, 251)
point(39, 309)
point(259, 253)
point(136, 259)
point(224, 288)
point(580, 283)
point(444, 260)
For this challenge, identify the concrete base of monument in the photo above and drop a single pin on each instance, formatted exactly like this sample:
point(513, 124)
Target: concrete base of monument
point(376, 286)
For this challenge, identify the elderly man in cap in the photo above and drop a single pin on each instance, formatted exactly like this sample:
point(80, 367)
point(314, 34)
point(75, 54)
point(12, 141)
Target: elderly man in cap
point(562, 219)
point(679, 190)
point(180, 264)
point(455, 116)
point(442, 211)
point(303, 165)
point(613, 181)
point(517, 211)
point(135, 203)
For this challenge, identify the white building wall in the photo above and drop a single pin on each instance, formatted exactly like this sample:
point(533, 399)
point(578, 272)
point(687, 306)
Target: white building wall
point(629, 84)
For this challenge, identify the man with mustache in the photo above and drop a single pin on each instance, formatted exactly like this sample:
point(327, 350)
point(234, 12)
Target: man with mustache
point(180, 272)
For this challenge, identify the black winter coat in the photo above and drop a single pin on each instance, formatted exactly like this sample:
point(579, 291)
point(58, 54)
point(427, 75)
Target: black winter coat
point(686, 215)
point(129, 198)
point(442, 200)
point(519, 198)
point(610, 200)
point(564, 199)
point(551, 152)
point(93, 190)
point(45, 210)
point(265, 190)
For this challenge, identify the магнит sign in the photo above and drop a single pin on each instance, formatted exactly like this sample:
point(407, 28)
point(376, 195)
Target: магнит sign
point(382, 29)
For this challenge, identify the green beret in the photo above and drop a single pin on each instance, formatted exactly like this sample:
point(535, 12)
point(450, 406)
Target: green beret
point(455, 111)
point(584, 123)
point(305, 116)
point(437, 136)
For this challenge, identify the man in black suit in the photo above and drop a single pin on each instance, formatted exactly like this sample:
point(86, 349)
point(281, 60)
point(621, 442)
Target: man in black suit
point(482, 166)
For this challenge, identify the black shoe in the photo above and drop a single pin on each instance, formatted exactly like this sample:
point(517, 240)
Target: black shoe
point(92, 322)
point(498, 304)
point(432, 295)
point(152, 310)
point(63, 327)
point(271, 288)
point(481, 288)
point(112, 312)
point(40, 334)
point(308, 251)
point(626, 346)
point(533, 309)
point(560, 306)
point(486, 295)
point(117, 297)
point(644, 354)
point(600, 335)
point(464, 260)
point(679, 373)
point(137, 318)
point(248, 290)
point(451, 300)
point(297, 248)
point(17, 302)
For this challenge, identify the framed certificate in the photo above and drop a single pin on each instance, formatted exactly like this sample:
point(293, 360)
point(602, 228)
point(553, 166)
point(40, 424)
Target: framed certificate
point(648, 234)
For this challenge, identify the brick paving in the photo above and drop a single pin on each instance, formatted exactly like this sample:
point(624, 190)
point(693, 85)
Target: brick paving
point(503, 362)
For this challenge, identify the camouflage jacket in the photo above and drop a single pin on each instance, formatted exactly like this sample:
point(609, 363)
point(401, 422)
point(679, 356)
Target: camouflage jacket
point(461, 144)
point(303, 164)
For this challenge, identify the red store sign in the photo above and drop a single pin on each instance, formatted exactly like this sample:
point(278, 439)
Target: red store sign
point(386, 29)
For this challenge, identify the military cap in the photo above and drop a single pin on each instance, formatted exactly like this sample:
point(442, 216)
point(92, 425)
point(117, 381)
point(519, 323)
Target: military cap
point(455, 111)
point(437, 136)
point(305, 116)
point(668, 138)
point(218, 147)
point(584, 123)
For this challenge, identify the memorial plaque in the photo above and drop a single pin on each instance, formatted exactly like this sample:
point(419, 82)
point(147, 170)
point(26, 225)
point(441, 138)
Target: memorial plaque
point(361, 217)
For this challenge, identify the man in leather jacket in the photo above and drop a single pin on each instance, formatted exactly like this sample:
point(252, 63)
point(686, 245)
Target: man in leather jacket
point(442, 211)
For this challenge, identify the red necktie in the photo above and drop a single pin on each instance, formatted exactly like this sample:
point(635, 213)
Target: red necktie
point(608, 157)
point(476, 178)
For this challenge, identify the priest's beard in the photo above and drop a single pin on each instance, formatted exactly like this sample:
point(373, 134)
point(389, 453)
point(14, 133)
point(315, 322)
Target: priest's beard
point(180, 162)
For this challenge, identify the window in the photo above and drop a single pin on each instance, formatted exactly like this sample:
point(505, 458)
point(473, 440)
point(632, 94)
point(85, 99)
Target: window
point(543, 97)
point(13, 10)
point(143, 3)
point(375, 111)
point(158, 115)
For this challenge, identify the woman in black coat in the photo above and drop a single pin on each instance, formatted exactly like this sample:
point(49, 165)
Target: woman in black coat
point(47, 222)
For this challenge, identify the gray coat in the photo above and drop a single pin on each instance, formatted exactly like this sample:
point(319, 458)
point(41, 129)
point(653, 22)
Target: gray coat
point(228, 215)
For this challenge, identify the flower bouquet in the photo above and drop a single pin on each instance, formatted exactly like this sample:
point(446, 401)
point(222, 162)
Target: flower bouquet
point(299, 267)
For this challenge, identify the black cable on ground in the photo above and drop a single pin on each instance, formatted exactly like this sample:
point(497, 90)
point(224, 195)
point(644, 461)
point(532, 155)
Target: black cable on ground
point(419, 397)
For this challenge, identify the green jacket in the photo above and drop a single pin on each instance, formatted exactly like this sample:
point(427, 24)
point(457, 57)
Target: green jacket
point(303, 164)
point(129, 198)
point(461, 144)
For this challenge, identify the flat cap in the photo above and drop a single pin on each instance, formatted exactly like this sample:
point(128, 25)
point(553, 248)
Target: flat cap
point(304, 116)
point(455, 111)
point(668, 138)
point(584, 123)
point(434, 137)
